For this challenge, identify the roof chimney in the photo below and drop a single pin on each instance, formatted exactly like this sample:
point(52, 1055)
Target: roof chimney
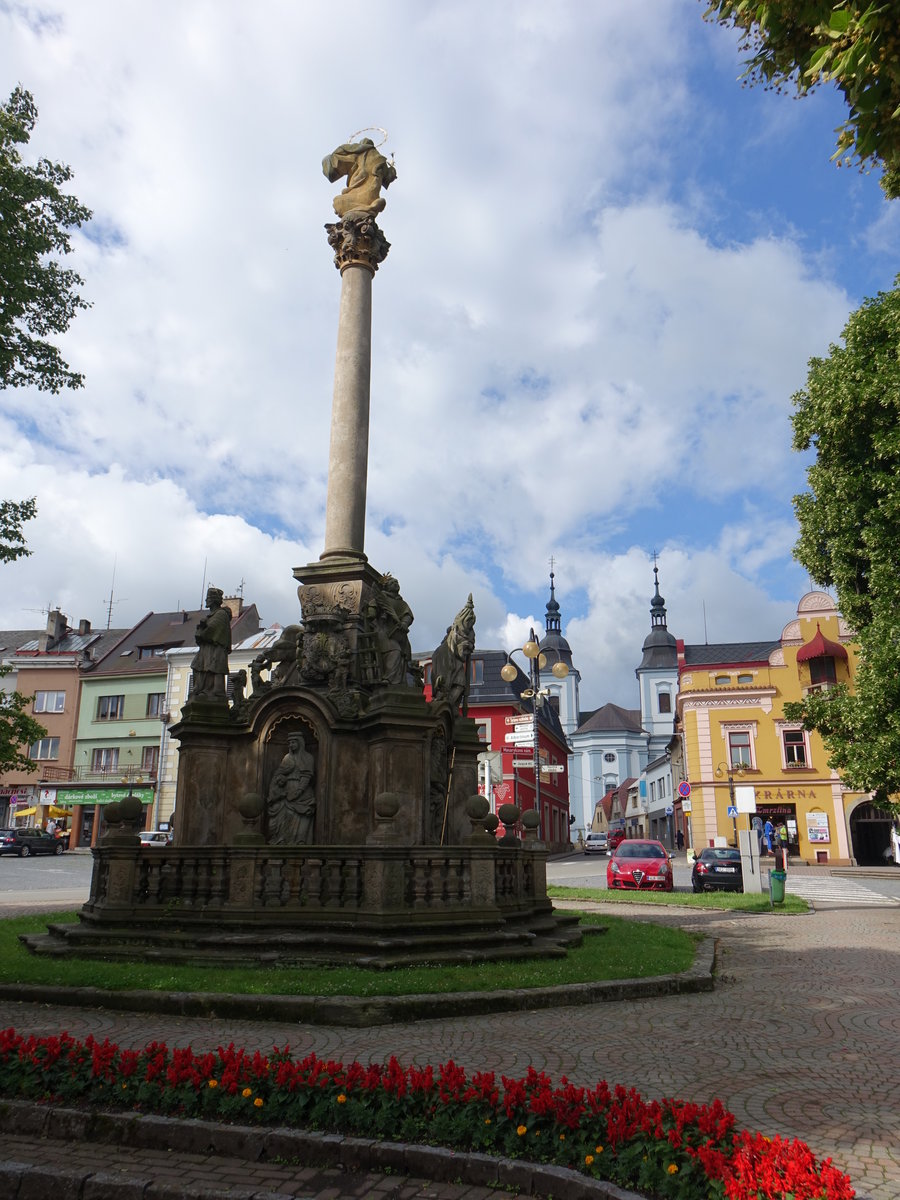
point(56, 630)
point(236, 604)
point(84, 627)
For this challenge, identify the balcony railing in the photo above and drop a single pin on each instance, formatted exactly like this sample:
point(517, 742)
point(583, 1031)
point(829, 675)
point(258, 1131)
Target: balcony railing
point(92, 775)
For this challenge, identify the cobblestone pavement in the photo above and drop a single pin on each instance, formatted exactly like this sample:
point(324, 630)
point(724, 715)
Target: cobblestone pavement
point(800, 1036)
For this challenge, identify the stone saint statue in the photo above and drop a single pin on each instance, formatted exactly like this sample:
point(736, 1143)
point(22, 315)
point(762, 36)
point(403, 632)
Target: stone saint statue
point(291, 802)
point(213, 637)
point(450, 662)
point(390, 618)
point(367, 172)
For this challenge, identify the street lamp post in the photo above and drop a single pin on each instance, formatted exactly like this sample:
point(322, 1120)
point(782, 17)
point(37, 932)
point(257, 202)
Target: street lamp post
point(537, 660)
point(729, 770)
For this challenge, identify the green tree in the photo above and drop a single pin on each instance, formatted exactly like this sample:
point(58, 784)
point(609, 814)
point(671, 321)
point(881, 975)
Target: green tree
point(18, 730)
point(799, 44)
point(849, 414)
point(12, 517)
point(38, 297)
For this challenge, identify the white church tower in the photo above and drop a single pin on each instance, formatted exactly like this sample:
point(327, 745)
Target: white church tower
point(658, 677)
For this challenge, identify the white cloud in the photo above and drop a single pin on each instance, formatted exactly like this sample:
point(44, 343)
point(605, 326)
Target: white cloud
point(568, 349)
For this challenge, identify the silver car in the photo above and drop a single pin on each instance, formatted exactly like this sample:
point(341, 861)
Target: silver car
point(596, 843)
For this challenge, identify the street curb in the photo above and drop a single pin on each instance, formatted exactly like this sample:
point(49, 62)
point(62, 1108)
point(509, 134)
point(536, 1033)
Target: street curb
point(259, 1144)
point(362, 1012)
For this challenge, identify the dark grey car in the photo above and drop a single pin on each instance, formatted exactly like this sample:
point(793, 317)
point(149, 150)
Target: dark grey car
point(25, 842)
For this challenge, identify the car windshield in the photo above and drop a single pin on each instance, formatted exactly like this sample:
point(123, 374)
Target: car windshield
point(640, 850)
point(720, 855)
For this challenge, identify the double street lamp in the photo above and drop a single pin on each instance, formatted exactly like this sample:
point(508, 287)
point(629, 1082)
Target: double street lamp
point(509, 672)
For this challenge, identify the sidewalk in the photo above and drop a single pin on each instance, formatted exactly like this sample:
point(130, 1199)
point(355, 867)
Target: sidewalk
point(799, 1038)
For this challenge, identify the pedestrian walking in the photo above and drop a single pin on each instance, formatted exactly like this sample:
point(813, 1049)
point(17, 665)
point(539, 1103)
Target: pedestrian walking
point(679, 839)
point(768, 834)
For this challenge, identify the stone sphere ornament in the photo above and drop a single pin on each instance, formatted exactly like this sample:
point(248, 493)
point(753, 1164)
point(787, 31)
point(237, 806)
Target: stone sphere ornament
point(509, 813)
point(477, 807)
point(251, 806)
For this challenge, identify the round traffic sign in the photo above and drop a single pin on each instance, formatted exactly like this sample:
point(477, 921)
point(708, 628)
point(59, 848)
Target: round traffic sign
point(684, 789)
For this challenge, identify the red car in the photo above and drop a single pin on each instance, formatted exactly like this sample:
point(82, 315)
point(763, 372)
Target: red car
point(616, 837)
point(640, 864)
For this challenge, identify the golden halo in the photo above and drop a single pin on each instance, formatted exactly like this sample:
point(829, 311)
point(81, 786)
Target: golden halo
point(370, 129)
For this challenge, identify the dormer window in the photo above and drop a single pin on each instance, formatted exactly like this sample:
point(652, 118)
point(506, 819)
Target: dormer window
point(822, 670)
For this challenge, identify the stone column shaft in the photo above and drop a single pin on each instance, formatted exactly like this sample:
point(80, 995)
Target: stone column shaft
point(345, 513)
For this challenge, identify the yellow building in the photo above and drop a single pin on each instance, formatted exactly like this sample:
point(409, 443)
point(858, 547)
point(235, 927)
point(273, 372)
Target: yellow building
point(734, 736)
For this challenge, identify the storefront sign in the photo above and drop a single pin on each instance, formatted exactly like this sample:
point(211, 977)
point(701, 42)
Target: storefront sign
point(70, 796)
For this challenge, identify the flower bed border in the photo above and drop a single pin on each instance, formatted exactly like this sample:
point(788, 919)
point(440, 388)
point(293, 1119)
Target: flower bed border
point(363, 1012)
point(669, 1148)
point(249, 1143)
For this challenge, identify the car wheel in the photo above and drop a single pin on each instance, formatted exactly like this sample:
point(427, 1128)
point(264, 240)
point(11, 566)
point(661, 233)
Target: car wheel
point(59, 848)
point(24, 852)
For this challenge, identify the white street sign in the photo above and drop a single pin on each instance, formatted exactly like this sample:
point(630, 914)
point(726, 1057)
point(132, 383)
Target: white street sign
point(523, 764)
point(524, 719)
point(552, 769)
point(518, 739)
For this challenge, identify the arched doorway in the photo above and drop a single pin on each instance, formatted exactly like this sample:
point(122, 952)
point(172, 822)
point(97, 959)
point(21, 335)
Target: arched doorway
point(870, 835)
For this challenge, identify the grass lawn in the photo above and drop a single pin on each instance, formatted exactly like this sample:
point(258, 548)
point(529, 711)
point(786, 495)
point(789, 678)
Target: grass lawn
point(734, 901)
point(628, 950)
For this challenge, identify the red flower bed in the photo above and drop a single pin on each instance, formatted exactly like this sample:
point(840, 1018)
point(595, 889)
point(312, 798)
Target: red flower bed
point(664, 1148)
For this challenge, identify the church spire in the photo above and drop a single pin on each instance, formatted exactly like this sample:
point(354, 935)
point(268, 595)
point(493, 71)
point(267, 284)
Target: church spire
point(657, 604)
point(551, 620)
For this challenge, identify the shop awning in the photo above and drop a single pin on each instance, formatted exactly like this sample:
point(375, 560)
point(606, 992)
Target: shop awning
point(23, 812)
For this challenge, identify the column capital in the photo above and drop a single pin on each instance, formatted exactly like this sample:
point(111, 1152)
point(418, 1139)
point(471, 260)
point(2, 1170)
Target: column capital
point(357, 242)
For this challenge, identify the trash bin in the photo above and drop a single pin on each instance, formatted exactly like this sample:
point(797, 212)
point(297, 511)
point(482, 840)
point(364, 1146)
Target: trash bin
point(776, 886)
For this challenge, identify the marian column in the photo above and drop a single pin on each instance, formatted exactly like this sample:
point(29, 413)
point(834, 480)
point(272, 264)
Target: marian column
point(359, 247)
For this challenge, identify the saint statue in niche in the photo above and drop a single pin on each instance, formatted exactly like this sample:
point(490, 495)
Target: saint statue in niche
point(291, 802)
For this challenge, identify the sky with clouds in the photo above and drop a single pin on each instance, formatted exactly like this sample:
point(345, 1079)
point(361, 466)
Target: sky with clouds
point(609, 267)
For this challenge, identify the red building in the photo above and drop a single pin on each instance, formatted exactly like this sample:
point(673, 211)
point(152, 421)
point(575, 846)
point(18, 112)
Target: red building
point(507, 774)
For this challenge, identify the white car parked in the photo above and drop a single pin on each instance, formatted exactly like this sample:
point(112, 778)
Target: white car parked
point(156, 837)
point(596, 843)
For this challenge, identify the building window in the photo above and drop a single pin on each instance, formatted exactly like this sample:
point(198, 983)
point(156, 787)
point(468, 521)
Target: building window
point(44, 749)
point(156, 702)
point(49, 702)
point(723, 679)
point(739, 748)
point(821, 670)
point(745, 678)
point(483, 730)
point(110, 708)
point(794, 748)
point(427, 674)
point(151, 652)
point(609, 757)
point(106, 759)
point(150, 759)
point(665, 701)
point(476, 671)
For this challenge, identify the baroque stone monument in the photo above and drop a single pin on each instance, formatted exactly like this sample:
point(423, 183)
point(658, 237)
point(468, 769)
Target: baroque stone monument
point(329, 813)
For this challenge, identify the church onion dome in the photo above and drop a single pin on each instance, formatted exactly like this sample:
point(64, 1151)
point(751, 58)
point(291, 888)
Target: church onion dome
point(553, 644)
point(660, 647)
point(821, 647)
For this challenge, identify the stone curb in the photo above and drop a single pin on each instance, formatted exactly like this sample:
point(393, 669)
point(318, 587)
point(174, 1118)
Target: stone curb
point(20, 1181)
point(361, 1012)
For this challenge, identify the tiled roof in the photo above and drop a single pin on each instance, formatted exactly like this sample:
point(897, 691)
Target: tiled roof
point(611, 716)
point(729, 653)
point(166, 631)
